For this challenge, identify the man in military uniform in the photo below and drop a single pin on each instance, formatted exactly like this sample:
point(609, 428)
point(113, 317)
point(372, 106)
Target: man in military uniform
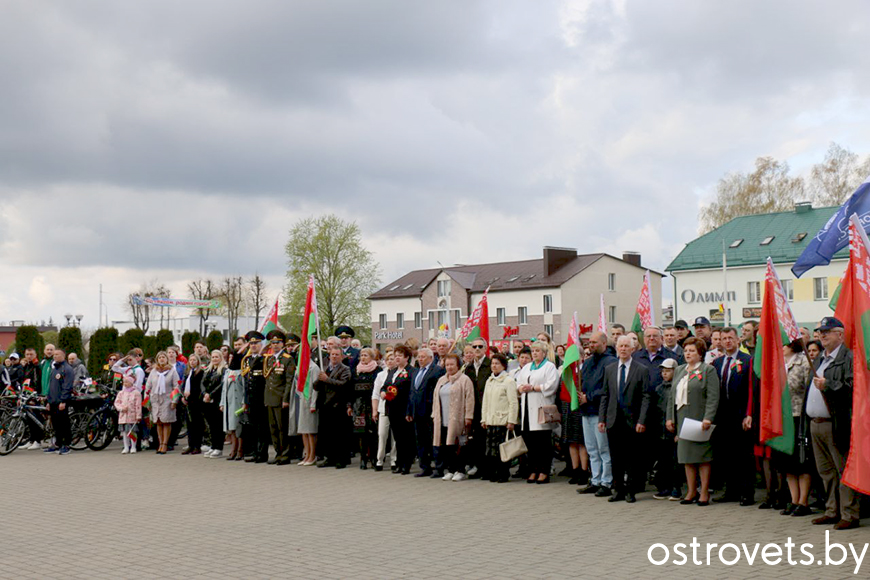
point(278, 370)
point(256, 433)
point(351, 354)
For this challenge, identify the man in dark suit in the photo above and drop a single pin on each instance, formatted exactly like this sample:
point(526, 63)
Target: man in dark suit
point(623, 411)
point(828, 411)
point(478, 371)
point(733, 440)
point(332, 387)
point(420, 407)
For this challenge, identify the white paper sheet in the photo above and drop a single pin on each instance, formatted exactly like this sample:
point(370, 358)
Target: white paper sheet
point(692, 431)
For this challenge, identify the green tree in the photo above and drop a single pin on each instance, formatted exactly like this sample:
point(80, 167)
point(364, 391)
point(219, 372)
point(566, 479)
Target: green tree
point(768, 189)
point(28, 337)
point(214, 340)
point(133, 338)
point(345, 272)
point(69, 339)
point(49, 337)
point(164, 339)
point(149, 346)
point(188, 339)
point(103, 343)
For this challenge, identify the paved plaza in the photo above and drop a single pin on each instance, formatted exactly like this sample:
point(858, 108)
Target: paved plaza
point(106, 515)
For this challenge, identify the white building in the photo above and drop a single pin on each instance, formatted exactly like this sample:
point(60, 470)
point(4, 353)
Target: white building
point(700, 282)
point(525, 297)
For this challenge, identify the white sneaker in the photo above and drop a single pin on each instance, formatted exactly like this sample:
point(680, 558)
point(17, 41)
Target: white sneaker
point(125, 451)
point(216, 453)
point(133, 450)
point(459, 476)
point(472, 471)
point(447, 476)
point(205, 449)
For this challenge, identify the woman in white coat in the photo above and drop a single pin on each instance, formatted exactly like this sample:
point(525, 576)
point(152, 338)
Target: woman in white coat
point(537, 385)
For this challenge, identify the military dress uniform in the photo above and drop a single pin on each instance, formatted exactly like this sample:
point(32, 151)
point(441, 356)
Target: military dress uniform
point(255, 436)
point(278, 371)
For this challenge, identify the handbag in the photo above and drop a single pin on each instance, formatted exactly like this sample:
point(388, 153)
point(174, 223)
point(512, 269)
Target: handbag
point(549, 414)
point(512, 447)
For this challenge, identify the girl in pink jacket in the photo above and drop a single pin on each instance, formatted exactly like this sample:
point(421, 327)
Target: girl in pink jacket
point(128, 403)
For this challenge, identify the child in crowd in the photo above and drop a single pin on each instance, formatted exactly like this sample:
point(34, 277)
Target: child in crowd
point(668, 476)
point(128, 403)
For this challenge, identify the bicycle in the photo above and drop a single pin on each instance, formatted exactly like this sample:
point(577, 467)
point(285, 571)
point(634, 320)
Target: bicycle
point(102, 426)
point(25, 415)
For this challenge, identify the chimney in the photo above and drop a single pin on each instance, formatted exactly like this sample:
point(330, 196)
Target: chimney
point(632, 258)
point(555, 258)
point(803, 206)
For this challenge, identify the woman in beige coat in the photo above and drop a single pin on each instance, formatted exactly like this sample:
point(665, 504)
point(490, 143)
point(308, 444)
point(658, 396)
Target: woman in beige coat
point(452, 414)
point(498, 416)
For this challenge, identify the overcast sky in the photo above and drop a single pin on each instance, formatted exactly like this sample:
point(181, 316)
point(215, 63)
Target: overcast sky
point(171, 140)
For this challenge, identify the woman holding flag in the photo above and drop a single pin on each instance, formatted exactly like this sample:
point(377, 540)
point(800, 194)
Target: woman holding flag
point(796, 465)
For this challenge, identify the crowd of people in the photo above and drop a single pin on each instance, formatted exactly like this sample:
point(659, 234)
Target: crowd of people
point(453, 410)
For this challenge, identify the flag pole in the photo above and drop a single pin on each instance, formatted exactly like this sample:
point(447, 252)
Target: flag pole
point(317, 324)
point(727, 317)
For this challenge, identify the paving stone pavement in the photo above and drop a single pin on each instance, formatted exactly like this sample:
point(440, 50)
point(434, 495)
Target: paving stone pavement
point(105, 515)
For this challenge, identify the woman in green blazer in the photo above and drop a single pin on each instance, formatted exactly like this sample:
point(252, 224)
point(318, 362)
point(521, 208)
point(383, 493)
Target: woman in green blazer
point(695, 395)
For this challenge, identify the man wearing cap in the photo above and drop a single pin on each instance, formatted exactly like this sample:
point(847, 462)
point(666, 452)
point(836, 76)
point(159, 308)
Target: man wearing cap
point(683, 331)
point(278, 371)
point(351, 355)
point(703, 330)
point(733, 439)
point(256, 432)
point(16, 371)
point(828, 410)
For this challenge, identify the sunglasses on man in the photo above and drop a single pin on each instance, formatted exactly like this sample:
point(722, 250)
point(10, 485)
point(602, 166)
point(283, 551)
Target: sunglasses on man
point(477, 346)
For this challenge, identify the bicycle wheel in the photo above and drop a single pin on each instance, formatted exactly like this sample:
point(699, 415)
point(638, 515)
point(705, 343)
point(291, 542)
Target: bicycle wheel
point(100, 430)
point(78, 429)
point(11, 435)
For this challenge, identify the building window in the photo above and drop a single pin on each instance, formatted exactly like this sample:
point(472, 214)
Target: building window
point(443, 288)
point(788, 289)
point(820, 288)
point(523, 314)
point(418, 320)
point(611, 282)
point(611, 314)
point(500, 316)
point(548, 328)
point(382, 321)
point(400, 320)
point(442, 318)
point(754, 292)
point(548, 303)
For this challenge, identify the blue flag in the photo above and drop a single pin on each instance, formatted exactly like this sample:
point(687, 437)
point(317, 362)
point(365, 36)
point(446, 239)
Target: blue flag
point(834, 236)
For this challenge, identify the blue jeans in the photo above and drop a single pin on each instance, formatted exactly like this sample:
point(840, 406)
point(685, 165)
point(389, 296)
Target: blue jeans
point(599, 452)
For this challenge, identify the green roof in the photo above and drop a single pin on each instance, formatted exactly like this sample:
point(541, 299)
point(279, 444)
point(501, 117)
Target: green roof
point(791, 232)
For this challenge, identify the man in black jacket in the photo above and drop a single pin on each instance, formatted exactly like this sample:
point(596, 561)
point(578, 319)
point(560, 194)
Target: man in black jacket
point(332, 387)
point(59, 393)
point(478, 371)
point(828, 409)
point(622, 414)
point(420, 407)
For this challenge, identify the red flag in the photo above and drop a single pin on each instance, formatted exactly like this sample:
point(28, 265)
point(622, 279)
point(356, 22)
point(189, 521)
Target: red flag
point(853, 310)
point(477, 325)
point(309, 326)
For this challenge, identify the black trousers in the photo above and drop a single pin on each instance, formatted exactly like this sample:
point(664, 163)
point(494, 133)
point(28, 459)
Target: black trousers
point(60, 421)
point(627, 457)
point(213, 414)
point(180, 414)
point(669, 474)
point(735, 460)
point(403, 437)
point(195, 425)
point(448, 457)
point(540, 456)
point(335, 432)
point(423, 432)
point(255, 435)
point(278, 417)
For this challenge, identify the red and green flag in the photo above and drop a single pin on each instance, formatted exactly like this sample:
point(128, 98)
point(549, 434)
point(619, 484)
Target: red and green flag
point(571, 362)
point(644, 315)
point(778, 327)
point(271, 321)
point(309, 329)
point(477, 325)
point(853, 310)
